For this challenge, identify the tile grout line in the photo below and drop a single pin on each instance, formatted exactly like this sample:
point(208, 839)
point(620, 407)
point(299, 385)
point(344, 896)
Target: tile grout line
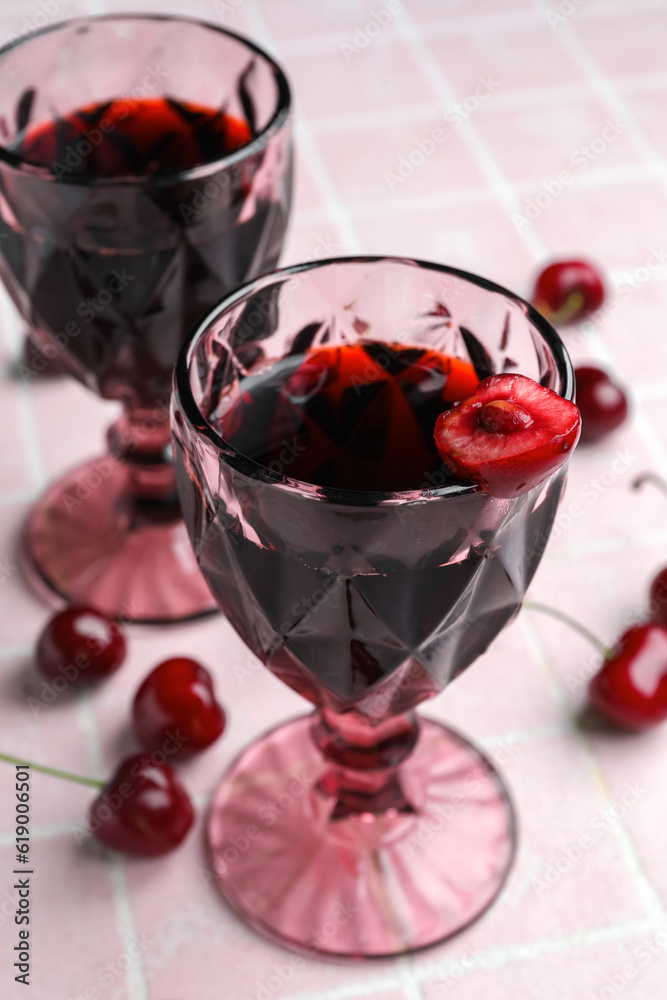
point(430, 66)
point(647, 891)
point(497, 22)
point(13, 338)
point(496, 957)
point(136, 982)
point(478, 194)
point(137, 985)
point(302, 133)
point(615, 104)
point(477, 147)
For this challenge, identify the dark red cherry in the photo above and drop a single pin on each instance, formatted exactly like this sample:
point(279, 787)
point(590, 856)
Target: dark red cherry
point(177, 701)
point(658, 599)
point(509, 435)
point(143, 809)
point(568, 291)
point(602, 403)
point(631, 687)
point(80, 643)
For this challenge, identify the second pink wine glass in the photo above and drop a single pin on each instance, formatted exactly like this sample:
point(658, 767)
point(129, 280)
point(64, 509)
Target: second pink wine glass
point(366, 577)
point(145, 172)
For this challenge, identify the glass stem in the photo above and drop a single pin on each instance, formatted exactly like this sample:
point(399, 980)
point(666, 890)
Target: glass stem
point(562, 616)
point(364, 760)
point(141, 440)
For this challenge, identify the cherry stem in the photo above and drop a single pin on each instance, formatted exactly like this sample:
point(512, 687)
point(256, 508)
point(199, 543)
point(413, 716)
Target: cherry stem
point(650, 477)
point(562, 616)
point(79, 778)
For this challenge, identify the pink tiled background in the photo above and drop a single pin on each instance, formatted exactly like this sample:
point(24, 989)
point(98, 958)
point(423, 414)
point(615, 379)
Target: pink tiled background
point(554, 74)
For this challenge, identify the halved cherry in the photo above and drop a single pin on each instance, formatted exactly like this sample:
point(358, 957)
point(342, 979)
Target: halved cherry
point(510, 435)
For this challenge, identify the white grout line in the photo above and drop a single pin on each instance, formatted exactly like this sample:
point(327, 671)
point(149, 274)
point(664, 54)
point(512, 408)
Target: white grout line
point(13, 335)
point(472, 26)
point(605, 546)
point(16, 649)
point(468, 132)
point(645, 887)
point(320, 177)
point(16, 497)
point(609, 96)
point(307, 145)
point(507, 198)
point(351, 991)
point(496, 957)
point(127, 930)
point(407, 975)
point(38, 833)
point(576, 49)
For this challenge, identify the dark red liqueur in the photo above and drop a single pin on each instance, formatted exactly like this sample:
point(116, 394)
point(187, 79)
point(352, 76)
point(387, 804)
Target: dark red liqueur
point(353, 417)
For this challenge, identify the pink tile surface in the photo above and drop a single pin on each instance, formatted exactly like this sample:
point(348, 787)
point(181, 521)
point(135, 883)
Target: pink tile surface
point(548, 138)
point(601, 925)
point(474, 236)
point(516, 59)
point(618, 54)
point(377, 164)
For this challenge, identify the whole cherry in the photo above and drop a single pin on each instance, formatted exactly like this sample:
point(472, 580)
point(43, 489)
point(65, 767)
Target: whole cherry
point(143, 809)
point(177, 697)
point(80, 643)
point(602, 403)
point(631, 687)
point(658, 598)
point(568, 291)
point(509, 435)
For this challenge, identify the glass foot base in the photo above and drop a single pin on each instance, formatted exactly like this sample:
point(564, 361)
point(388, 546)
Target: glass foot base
point(364, 885)
point(86, 543)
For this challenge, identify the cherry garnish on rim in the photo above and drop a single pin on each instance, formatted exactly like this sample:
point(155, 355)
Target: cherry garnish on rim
point(602, 403)
point(178, 695)
point(509, 435)
point(84, 638)
point(568, 291)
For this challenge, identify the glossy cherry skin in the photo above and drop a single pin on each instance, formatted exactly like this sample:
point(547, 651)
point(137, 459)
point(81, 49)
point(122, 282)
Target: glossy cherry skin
point(84, 638)
point(509, 435)
point(142, 810)
point(658, 598)
point(568, 291)
point(177, 701)
point(631, 688)
point(602, 403)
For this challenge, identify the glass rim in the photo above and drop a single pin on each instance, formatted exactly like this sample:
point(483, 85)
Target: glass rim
point(254, 470)
point(160, 178)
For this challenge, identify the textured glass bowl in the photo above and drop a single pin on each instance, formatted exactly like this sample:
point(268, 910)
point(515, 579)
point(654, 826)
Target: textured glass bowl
point(366, 604)
point(112, 272)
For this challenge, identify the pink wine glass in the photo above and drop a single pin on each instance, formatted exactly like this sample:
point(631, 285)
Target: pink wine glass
point(360, 830)
point(111, 268)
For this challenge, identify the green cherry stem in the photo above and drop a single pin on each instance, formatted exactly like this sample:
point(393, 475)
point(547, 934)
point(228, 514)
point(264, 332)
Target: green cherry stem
point(650, 477)
point(67, 775)
point(562, 616)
